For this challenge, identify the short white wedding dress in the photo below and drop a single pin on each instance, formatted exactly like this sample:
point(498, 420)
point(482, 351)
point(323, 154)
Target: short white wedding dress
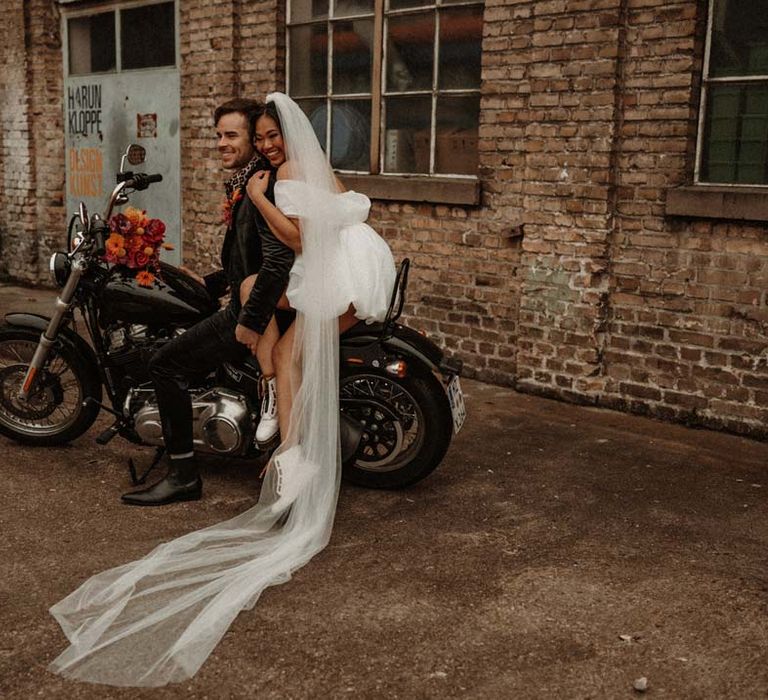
point(361, 271)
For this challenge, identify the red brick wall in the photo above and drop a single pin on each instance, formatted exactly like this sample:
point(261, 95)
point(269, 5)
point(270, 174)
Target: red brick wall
point(569, 279)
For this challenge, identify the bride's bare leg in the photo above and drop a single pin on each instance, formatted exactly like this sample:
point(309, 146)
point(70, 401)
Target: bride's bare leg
point(288, 372)
point(348, 319)
point(270, 336)
point(245, 288)
point(285, 367)
point(268, 426)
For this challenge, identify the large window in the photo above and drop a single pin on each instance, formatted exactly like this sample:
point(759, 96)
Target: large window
point(733, 134)
point(147, 39)
point(390, 86)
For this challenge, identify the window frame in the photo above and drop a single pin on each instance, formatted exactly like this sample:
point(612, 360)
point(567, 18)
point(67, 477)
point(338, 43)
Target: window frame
point(706, 82)
point(433, 187)
point(116, 7)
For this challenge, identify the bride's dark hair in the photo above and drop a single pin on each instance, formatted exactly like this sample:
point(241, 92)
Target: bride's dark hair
point(269, 110)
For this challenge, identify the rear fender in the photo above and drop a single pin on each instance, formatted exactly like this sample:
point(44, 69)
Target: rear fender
point(363, 345)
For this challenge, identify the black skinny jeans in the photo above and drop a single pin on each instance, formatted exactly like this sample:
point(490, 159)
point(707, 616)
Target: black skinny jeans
point(189, 357)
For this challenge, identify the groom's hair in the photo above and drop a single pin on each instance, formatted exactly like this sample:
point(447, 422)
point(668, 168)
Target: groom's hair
point(250, 109)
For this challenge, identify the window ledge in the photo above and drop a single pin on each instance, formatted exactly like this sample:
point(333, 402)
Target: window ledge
point(713, 202)
point(406, 188)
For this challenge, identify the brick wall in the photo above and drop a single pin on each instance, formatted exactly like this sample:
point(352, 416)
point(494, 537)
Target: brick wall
point(31, 139)
point(17, 228)
point(569, 279)
point(687, 320)
point(228, 48)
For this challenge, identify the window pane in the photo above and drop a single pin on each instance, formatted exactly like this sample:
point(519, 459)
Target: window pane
point(456, 135)
point(309, 59)
point(739, 38)
point(410, 42)
point(461, 35)
point(148, 36)
point(736, 141)
point(406, 135)
point(306, 10)
point(315, 111)
point(351, 135)
point(344, 8)
point(91, 44)
point(352, 56)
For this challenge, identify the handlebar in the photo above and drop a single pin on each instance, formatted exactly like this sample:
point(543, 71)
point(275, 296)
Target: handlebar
point(137, 181)
point(140, 181)
point(97, 229)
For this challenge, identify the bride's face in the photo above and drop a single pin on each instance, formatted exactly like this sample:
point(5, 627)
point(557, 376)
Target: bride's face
point(269, 140)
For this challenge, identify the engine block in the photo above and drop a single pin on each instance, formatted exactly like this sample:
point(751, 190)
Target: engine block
point(222, 422)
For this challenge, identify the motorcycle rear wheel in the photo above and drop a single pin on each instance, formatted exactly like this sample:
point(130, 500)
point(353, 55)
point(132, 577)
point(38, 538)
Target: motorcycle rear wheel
point(407, 427)
point(55, 412)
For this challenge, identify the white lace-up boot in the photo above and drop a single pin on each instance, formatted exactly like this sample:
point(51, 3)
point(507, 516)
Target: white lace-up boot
point(268, 426)
point(293, 474)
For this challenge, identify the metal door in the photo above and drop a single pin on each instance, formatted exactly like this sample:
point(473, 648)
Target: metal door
point(121, 86)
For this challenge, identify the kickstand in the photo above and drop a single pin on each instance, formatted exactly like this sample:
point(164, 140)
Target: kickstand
point(155, 461)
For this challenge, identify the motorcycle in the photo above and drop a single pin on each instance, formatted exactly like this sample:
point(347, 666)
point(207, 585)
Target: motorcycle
point(400, 400)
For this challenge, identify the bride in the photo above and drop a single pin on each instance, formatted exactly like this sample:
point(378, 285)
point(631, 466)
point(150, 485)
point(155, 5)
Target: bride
point(156, 620)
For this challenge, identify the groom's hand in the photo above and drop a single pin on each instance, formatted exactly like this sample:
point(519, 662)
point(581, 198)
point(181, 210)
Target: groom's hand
point(247, 337)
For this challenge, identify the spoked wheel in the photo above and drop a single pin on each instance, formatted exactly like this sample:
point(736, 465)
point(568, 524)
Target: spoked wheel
point(406, 424)
point(54, 412)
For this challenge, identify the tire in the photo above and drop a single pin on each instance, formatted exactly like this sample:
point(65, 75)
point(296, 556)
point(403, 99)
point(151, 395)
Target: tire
point(407, 427)
point(55, 413)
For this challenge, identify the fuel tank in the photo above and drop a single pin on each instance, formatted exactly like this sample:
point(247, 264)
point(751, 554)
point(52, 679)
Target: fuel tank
point(173, 299)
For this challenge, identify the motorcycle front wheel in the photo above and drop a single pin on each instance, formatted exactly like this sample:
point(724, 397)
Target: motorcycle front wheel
point(56, 411)
point(407, 427)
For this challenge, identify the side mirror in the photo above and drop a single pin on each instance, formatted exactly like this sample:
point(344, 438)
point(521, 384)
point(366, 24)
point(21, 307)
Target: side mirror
point(134, 154)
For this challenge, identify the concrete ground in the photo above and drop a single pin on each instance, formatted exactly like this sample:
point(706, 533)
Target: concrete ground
point(559, 551)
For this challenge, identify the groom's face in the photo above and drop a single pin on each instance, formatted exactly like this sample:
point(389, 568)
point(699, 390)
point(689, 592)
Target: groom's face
point(234, 144)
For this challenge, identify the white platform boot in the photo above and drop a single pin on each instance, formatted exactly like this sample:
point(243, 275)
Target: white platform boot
point(268, 426)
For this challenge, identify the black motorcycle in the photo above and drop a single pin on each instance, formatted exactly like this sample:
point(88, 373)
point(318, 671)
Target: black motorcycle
point(400, 400)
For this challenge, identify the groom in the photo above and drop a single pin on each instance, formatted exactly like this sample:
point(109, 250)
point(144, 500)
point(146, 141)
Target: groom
point(249, 247)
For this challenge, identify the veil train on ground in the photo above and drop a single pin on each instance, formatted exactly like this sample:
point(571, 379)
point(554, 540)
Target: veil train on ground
point(156, 620)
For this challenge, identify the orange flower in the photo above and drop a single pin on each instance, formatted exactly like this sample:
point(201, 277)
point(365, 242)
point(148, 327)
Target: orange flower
point(115, 243)
point(228, 205)
point(148, 250)
point(135, 216)
point(145, 278)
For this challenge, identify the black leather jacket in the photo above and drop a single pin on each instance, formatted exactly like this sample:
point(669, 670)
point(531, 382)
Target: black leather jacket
point(249, 247)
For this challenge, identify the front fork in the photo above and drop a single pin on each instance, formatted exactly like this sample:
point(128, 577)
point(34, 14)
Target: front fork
point(48, 336)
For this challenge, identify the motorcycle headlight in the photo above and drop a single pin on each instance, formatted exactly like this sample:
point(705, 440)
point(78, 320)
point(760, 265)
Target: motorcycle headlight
point(60, 267)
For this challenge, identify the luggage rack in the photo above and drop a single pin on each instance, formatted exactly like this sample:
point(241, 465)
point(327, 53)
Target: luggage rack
point(397, 301)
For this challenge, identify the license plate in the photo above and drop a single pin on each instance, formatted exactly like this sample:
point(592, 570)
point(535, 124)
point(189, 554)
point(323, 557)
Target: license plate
point(456, 399)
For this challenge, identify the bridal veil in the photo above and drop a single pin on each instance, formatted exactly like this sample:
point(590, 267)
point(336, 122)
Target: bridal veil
point(156, 620)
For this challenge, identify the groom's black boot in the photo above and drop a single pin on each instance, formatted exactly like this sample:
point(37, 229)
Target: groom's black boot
point(181, 483)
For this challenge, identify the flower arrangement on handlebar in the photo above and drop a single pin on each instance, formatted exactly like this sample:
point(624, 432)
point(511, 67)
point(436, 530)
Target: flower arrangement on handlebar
point(135, 241)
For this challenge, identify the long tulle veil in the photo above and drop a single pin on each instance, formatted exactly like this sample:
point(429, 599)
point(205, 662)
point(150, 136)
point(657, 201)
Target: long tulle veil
point(156, 620)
